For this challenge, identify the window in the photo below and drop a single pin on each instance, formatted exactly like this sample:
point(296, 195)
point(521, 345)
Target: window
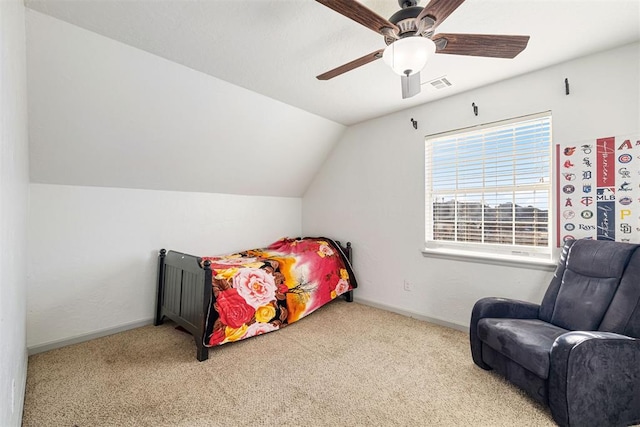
point(488, 189)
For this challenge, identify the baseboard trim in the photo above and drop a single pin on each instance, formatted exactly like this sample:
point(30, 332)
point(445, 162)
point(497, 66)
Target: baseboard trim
point(409, 313)
point(52, 345)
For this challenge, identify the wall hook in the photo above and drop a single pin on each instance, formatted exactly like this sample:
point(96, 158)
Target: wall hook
point(475, 108)
point(566, 86)
point(414, 123)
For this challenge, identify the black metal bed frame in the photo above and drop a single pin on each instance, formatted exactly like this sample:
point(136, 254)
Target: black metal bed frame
point(184, 293)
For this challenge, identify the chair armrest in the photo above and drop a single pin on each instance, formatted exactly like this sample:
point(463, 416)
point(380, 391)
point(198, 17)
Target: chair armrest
point(594, 379)
point(496, 308)
point(504, 308)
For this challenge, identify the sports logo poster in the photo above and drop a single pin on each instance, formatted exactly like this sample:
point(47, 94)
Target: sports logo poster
point(598, 195)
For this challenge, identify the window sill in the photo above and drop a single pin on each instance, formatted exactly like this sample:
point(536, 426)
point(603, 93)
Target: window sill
point(488, 258)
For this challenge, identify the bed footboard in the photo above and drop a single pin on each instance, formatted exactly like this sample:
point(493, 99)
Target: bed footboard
point(183, 294)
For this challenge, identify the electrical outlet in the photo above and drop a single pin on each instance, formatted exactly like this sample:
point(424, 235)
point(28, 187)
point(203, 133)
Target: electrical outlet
point(407, 286)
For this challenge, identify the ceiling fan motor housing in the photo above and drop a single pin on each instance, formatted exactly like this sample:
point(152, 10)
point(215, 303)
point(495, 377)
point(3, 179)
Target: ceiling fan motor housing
point(407, 3)
point(405, 20)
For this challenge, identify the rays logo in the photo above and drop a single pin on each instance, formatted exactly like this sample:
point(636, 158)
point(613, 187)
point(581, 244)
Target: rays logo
point(569, 227)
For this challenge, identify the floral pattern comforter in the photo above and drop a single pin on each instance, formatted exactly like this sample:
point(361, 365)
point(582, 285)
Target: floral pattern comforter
point(262, 290)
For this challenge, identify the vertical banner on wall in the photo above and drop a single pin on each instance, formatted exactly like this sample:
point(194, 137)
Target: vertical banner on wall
point(598, 192)
point(606, 189)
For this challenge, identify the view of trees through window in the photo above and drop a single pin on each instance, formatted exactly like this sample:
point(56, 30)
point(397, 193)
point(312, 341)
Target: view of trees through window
point(490, 185)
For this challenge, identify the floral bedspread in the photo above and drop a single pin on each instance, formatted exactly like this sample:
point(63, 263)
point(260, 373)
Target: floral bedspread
point(262, 290)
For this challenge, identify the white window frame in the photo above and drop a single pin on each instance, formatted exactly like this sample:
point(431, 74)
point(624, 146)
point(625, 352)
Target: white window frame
point(492, 252)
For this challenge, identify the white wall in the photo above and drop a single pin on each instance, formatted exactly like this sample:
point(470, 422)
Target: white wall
point(14, 180)
point(371, 188)
point(93, 251)
point(131, 153)
point(106, 114)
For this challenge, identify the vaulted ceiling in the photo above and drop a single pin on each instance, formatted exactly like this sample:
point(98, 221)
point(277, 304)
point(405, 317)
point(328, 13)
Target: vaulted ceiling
point(277, 47)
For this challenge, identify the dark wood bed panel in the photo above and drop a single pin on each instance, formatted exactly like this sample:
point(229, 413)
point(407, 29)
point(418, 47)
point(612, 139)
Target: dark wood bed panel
point(183, 293)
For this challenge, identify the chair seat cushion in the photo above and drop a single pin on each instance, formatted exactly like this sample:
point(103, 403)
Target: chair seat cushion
point(527, 342)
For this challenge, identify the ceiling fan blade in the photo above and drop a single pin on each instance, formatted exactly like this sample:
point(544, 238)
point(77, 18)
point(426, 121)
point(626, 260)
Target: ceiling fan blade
point(362, 15)
point(491, 45)
point(351, 65)
point(439, 10)
point(410, 85)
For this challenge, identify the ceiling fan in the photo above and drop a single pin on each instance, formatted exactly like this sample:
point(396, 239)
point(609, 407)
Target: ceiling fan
point(409, 35)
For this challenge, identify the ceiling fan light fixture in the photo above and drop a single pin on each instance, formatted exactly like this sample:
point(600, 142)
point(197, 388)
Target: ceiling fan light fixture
point(409, 55)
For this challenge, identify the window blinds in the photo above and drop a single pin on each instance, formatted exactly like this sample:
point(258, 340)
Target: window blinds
point(491, 184)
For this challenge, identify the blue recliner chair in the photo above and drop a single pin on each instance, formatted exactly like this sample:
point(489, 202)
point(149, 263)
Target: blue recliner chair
point(579, 350)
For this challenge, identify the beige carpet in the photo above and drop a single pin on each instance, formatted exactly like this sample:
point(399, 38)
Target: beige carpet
point(344, 365)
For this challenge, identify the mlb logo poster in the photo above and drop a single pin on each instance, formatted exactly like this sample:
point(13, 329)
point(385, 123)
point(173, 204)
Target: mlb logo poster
point(598, 194)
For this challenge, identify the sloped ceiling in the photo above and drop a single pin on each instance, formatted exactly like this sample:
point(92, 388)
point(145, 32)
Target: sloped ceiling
point(277, 47)
point(105, 114)
point(221, 96)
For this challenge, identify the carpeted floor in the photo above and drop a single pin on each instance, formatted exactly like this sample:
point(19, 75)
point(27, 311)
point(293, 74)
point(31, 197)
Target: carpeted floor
point(344, 365)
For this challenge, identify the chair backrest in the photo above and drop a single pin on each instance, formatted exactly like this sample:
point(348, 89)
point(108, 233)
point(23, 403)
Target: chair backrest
point(596, 287)
point(623, 315)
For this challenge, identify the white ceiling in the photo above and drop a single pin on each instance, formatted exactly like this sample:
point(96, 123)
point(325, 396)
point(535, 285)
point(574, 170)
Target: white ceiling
point(277, 47)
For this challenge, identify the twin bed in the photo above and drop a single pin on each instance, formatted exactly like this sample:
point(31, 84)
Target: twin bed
point(233, 297)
